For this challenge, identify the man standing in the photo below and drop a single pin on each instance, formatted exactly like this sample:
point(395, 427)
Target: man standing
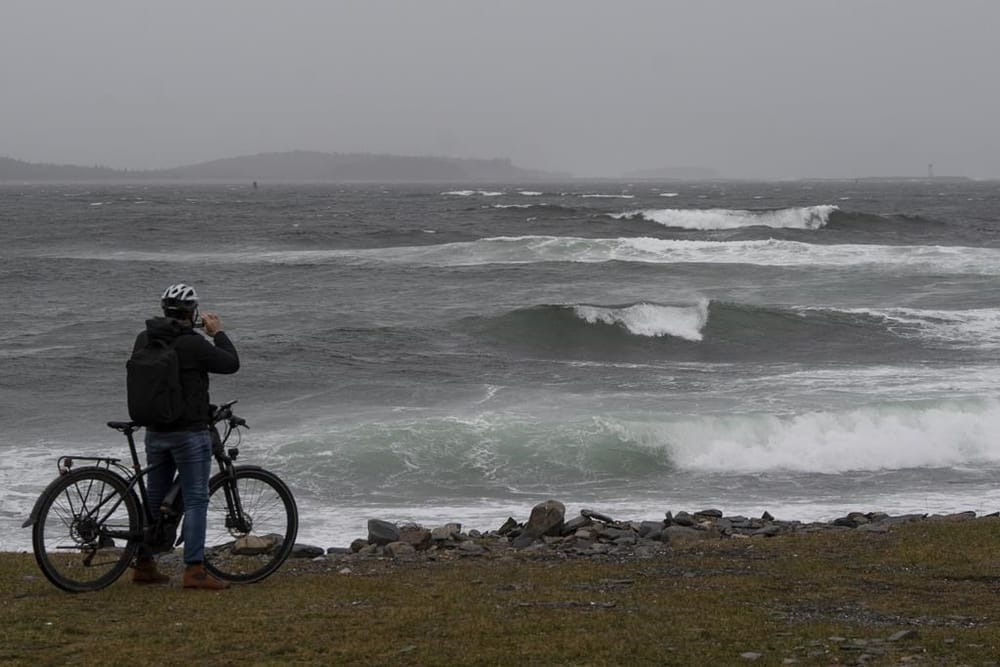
point(184, 444)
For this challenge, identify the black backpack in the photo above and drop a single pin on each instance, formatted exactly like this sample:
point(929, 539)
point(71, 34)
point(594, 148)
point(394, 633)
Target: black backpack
point(153, 383)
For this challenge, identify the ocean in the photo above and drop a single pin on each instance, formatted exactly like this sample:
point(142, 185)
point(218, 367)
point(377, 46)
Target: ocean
point(435, 353)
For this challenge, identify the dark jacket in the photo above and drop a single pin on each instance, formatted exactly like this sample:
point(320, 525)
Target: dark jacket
point(197, 357)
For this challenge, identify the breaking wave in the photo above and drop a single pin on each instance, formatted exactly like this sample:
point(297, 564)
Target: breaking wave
point(880, 437)
point(809, 217)
point(719, 331)
point(493, 455)
point(973, 328)
point(533, 249)
point(650, 319)
point(469, 193)
point(542, 207)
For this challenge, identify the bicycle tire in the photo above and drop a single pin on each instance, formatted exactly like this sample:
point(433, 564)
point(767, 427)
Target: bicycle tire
point(71, 538)
point(235, 554)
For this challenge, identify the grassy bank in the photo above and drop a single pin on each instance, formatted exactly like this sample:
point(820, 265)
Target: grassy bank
point(925, 593)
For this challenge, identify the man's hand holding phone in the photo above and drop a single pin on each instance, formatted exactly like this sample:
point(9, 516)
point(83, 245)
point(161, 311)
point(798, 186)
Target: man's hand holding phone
point(212, 323)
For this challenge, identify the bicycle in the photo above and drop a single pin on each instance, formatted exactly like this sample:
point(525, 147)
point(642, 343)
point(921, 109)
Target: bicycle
point(90, 521)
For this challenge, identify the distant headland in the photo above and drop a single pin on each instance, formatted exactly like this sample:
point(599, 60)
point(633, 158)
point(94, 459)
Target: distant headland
point(294, 166)
point(301, 166)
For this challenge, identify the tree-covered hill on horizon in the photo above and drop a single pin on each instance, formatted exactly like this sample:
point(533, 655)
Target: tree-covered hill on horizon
point(292, 166)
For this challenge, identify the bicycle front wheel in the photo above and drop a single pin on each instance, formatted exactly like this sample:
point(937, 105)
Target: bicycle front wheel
point(85, 532)
point(252, 524)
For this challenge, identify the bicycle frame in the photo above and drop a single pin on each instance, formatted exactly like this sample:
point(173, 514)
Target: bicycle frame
point(135, 478)
point(95, 519)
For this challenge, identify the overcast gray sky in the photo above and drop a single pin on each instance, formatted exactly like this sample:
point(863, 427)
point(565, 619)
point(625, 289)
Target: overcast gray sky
point(752, 88)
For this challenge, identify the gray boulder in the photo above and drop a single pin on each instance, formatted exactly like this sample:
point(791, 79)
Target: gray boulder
point(446, 532)
point(524, 540)
point(546, 519)
point(419, 538)
point(651, 530)
point(507, 526)
point(307, 551)
point(382, 532)
point(683, 519)
point(400, 550)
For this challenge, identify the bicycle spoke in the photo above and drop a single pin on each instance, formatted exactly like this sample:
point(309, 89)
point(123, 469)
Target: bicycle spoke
point(251, 546)
point(70, 536)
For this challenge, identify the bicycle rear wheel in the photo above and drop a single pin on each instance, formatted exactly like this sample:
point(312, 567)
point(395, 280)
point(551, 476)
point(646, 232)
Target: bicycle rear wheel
point(250, 550)
point(82, 536)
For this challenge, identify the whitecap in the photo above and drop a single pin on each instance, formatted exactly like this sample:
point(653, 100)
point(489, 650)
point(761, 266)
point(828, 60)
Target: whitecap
point(537, 248)
point(975, 328)
point(469, 193)
point(650, 319)
point(879, 437)
point(808, 217)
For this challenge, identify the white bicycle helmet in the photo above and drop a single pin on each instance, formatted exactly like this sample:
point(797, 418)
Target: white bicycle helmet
point(179, 299)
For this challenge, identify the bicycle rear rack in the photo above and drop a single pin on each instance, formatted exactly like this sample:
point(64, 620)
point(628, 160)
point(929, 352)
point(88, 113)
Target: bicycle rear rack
point(65, 463)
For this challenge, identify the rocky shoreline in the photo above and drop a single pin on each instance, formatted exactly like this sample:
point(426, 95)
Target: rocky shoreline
point(699, 587)
point(547, 532)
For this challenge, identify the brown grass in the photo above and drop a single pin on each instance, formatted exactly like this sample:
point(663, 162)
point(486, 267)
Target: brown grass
point(818, 599)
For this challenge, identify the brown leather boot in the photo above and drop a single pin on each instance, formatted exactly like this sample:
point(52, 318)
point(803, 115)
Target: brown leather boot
point(145, 572)
point(195, 576)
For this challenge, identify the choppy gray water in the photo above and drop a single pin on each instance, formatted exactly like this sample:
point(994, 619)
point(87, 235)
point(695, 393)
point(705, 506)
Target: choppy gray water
point(430, 353)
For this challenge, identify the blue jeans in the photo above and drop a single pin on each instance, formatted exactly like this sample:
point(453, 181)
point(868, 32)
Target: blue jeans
point(189, 453)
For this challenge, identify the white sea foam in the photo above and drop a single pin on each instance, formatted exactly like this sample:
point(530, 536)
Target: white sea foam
point(469, 193)
point(650, 319)
point(887, 437)
point(529, 249)
point(536, 248)
point(668, 194)
point(900, 435)
point(606, 196)
point(808, 217)
point(979, 327)
point(529, 193)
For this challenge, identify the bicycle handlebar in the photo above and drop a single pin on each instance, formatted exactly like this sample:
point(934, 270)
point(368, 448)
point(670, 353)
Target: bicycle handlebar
point(224, 412)
point(220, 413)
